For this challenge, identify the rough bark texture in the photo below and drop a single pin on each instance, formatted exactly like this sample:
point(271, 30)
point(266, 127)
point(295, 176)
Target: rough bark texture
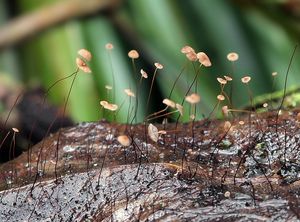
point(201, 171)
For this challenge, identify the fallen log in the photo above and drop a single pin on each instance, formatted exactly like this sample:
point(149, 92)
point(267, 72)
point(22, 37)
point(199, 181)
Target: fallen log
point(245, 168)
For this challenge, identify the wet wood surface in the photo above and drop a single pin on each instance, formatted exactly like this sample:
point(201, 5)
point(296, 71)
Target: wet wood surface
point(203, 171)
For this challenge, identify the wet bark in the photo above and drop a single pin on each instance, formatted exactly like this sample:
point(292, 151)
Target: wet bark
point(201, 171)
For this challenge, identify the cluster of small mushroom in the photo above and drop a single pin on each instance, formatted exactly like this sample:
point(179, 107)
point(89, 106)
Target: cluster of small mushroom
point(84, 57)
point(232, 57)
point(193, 56)
point(191, 98)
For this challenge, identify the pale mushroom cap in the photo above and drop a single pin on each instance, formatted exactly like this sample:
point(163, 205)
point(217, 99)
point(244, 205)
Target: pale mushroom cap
point(82, 65)
point(162, 132)
point(16, 130)
point(111, 107)
point(107, 105)
point(144, 74)
point(227, 194)
point(169, 102)
point(221, 97)
point(109, 46)
point(85, 54)
point(158, 65)
point(225, 111)
point(133, 54)
point(193, 98)
point(103, 103)
point(232, 56)
point(192, 56)
point(246, 79)
point(222, 81)
point(80, 62)
point(274, 73)
point(124, 140)
point(241, 122)
point(108, 87)
point(129, 92)
point(179, 108)
point(227, 125)
point(187, 49)
point(228, 78)
point(192, 117)
point(153, 132)
point(203, 59)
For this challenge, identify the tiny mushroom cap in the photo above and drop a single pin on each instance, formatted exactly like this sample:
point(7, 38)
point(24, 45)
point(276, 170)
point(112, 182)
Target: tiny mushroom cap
point(193, 98)
point(106, 105)
point(187, 49)
point(111, 107)
point(227, 125)
point(109, 46)
point(192, 56)
point(124, 140)
point(82, 65)
point(153, 132)
point(241, 122)
point(133, 54)
point(222, 81)
point(169, 102)
point(225, 111)
point(103, 103)
point(203, 59)
point(16, 130)
point(85, 54)
point(265, 105)
point(108, 87)
point(228, 78)
point(144, 74)
point(192, 117)
point(221, 97)
point(129, 92)
point(158, 65)
point(246, 79)
point(179, 108)
point(232, 56)
point(274, 74)
point(162, 132)
point(227, 194)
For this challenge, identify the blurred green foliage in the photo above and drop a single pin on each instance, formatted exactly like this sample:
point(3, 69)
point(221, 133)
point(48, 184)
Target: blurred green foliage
point(158, 29)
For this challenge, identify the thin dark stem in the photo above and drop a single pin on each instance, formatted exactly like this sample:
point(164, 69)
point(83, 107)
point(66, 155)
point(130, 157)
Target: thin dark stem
point(11, 109)
point(57, 81)
point(176, 80)
point(187, 92)
point(150, 91)
point(285, 85)
point(113, 77)
point(137, 102)
point(59, 131)
point(194, 80)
